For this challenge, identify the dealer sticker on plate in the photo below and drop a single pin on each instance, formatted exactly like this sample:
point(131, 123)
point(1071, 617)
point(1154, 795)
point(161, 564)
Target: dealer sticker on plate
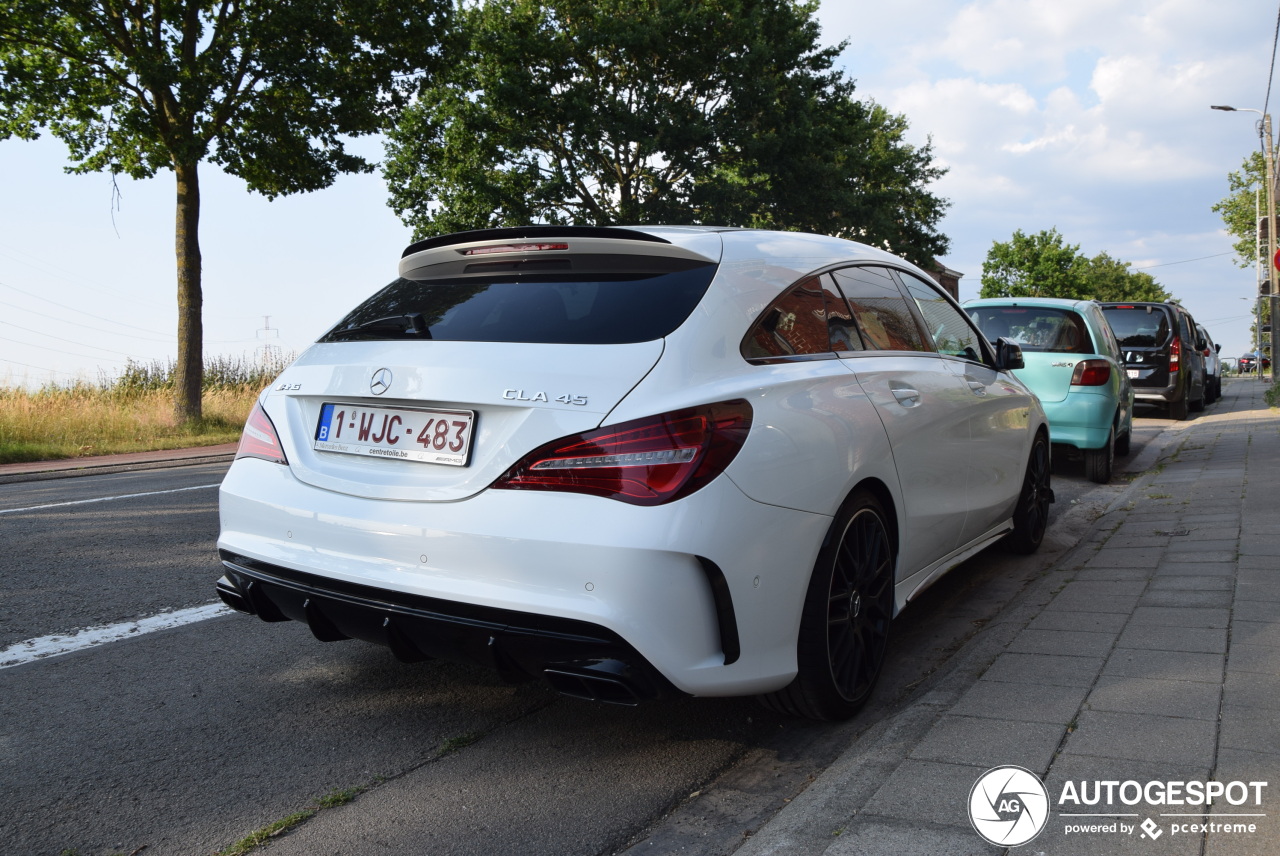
point(410, 434)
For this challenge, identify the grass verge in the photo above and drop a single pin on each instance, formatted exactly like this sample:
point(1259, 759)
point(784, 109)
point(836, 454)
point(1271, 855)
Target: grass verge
point(131, 413)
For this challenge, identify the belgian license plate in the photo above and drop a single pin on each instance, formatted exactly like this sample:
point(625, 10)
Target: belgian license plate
point(1133, 372)
point(408, 434)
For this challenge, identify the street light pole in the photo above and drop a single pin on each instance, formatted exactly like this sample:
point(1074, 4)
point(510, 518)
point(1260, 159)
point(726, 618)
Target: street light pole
point(1269, 155)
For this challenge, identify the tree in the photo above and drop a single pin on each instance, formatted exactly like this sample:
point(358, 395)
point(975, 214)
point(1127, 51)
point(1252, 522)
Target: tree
point(600, 112)
point(1239, 210)
point(1044, 265)
point(1111, 280)
point(1041, 265)
point(266, 89)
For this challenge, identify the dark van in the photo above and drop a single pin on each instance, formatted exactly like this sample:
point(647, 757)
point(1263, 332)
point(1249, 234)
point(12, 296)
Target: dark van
point(1163, 354)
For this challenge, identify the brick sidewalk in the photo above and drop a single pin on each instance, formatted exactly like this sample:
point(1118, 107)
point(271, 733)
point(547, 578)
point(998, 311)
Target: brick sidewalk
point(1151, 653)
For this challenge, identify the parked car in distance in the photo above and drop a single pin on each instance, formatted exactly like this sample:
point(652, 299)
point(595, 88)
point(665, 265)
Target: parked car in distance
point(1074, 366)
point(636, 462)
point(1163, 354)
point(1249, 363)
point(1212, 367)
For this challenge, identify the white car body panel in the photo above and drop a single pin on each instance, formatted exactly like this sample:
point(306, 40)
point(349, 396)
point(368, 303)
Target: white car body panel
point(512, 387)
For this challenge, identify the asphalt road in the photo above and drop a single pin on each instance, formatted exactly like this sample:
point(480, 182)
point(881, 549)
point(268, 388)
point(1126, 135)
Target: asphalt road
point(185, 740)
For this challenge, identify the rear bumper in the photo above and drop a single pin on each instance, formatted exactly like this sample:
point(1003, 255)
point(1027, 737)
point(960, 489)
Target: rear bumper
point(574, 657)
point(1082, 419)
point(707, 590)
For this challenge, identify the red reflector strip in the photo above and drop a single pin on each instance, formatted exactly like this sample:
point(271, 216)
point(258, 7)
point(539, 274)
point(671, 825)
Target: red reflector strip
point(513, 248)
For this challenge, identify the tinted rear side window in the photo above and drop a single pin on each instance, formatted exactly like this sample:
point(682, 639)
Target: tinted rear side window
point(559, 309)
point(811, 318)
point(1035, 328)
point(1139, 327)
point(880, 309)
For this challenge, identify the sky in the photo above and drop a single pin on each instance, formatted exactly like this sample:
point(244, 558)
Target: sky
point(1091, 117)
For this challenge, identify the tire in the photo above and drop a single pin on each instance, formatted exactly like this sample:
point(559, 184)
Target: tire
point(1031, 515)
point(1197, 406)
point(1123, 442)
point(1178, 409)
point(844, 627)
point(1098, 463)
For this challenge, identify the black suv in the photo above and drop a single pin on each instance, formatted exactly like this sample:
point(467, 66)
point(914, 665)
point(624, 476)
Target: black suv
point(1163, 354)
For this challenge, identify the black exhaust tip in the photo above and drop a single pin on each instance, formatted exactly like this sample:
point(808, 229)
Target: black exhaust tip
point(607, 681)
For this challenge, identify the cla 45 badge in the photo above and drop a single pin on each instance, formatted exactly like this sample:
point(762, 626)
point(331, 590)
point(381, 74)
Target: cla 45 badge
point(520, 395)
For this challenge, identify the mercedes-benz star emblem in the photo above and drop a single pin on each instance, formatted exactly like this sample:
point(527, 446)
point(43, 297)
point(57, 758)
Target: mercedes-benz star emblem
point(381, 381)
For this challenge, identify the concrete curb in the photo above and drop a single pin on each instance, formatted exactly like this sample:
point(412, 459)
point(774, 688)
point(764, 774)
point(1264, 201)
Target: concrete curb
point(12, 474)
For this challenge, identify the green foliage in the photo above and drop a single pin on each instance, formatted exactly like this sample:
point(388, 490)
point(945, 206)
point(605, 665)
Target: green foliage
point(220, 372)
point(1240, 211)
point(1044, 265)
point(603, 112)
point(267, 89)
point(1111, 279)
point(1040, 265)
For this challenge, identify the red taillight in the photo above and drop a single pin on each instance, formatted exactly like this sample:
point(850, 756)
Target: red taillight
point(1175, 355)
point(260, 439)
point(1091, 373)
point(644, 462)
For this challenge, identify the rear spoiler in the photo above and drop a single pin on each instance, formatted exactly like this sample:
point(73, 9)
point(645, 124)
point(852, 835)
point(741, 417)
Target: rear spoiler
point(543, 249)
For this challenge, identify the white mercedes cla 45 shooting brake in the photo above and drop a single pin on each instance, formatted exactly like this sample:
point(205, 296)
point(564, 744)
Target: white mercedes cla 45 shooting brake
point(636, 462)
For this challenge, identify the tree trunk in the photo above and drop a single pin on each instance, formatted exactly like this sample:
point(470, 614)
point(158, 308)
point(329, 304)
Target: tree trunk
point(189, 373)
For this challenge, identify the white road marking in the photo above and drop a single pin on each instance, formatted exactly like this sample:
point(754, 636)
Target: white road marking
point(51, 646)
point(105, 499)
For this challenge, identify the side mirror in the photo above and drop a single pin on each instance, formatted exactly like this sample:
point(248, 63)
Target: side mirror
point(1217, 349)
point(1008, 355)
point(1202, 346)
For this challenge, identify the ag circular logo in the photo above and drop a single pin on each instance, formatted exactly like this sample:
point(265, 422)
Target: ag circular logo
point(1008, 806)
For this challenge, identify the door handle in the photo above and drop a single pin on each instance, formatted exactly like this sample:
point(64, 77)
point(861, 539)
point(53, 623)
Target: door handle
point(906, 396)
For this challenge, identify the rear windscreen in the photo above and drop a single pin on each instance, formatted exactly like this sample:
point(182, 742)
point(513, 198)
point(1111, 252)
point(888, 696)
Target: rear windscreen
point(568, 309)
point(1138, 327)
point(1035, 328)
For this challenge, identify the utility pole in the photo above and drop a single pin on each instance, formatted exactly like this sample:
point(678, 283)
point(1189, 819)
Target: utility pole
point(1270, 154)
point(1273, 282)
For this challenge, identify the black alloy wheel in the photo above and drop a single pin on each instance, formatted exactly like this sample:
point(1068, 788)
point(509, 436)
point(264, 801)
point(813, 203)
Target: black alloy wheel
point(844, 628)
point(1031, 515)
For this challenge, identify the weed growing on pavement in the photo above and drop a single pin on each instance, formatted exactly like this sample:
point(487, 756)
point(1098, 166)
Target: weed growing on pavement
point(453, 744)
point(129, 413)
point(337, 797)
point(257, 838)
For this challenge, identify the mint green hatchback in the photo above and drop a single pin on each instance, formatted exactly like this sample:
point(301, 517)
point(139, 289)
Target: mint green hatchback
point(1074, 366)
